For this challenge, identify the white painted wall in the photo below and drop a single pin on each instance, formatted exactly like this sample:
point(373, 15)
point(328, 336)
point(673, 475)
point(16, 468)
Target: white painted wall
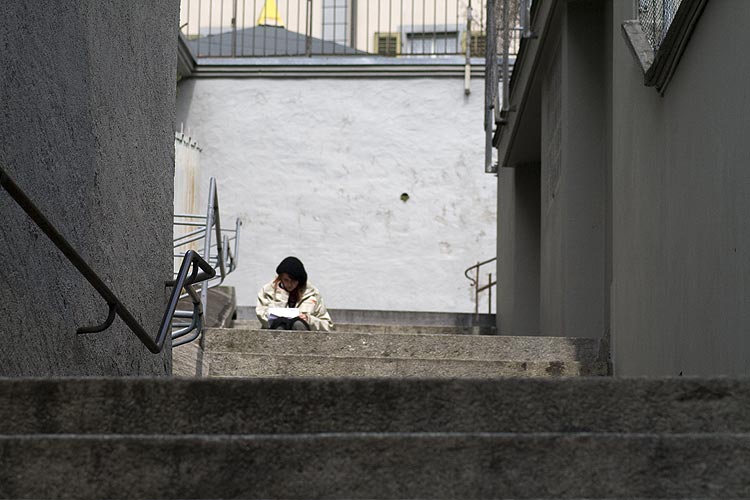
point(187, 180)
point(187, 191)
point(316, 168)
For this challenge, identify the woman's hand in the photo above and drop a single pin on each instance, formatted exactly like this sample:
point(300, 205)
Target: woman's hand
point(305, 317)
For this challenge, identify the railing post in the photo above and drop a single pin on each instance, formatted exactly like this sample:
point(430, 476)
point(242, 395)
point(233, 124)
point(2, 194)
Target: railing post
point(506, 71)
point(467, 65)
point(308, 30)
point(525, 22)
point(207, 244)
point(234, 28)
point(353, 31)
point(489, 301)
point(476, 293)
point(236, 256)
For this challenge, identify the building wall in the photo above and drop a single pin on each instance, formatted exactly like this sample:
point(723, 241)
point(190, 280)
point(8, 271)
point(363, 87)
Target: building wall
point(87, 104)
point(187, 185)
point(316, 168)
point(519, 219)
point(573, 181)
point(681, 234)
point(187, 193)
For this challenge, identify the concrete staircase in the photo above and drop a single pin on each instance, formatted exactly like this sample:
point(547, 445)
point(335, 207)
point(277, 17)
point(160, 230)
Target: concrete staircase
point(396, 352)
point(593, 438)
point(418, 346)
point(378, 411)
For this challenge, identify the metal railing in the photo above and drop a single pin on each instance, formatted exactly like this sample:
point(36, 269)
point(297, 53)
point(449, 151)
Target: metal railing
point(508, 22)
point(656, 16)
point(185, 278)
point(475, 283)
point(217, 242)
point(262, 28)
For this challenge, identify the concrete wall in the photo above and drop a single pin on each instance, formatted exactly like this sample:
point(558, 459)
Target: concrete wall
point(316, 168)
point(681, 199)
point(87, 109)
point(519, 219)
point(573, 181)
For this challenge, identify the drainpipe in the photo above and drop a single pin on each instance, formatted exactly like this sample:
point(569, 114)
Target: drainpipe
point(467, 66)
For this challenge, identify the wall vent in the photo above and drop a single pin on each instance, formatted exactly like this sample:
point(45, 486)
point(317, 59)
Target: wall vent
point(387, 44)
point(478, 43)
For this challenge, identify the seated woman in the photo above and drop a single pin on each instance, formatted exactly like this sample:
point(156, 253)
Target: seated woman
point(290, 289)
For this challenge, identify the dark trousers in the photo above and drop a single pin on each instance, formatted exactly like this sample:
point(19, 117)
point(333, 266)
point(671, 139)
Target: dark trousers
point(289, 324)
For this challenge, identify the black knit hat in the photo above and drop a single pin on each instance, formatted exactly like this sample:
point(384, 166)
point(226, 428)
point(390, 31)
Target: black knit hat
point(294, 268)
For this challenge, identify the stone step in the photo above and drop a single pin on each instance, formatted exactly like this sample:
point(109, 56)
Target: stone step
point(391, 345)
point(380, 317)
point(434, 330)
point(243, 364)
point(254, 324)
point(299, 405)
point(456, 465)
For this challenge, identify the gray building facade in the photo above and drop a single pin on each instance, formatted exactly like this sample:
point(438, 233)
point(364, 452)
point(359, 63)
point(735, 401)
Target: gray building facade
point(87, 91)
point(623, 185)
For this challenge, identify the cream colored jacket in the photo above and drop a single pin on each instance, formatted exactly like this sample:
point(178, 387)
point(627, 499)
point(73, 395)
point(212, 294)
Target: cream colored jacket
point(311, 303)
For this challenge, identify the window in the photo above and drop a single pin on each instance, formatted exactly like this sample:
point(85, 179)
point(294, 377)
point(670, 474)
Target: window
point(432, 42)
point(336, 21)
point(478, 43)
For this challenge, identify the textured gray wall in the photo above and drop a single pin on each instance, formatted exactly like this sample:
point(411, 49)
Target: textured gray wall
point(681, 199)
point(518, 220)
point(87, 92)
point(573, 181)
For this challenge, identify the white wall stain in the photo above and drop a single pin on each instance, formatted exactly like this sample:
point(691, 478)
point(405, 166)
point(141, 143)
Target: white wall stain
point(317, 168)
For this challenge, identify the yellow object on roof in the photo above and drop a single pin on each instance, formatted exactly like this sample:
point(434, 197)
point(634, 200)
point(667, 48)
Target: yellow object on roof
point(269, 15)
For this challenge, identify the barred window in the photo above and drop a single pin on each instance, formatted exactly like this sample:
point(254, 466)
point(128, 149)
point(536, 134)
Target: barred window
point(438, 41)
point(656, 16)
point(336, 19)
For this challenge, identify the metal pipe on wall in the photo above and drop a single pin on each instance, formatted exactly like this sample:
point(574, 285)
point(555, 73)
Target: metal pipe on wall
point(490, 84)
point(467, 66)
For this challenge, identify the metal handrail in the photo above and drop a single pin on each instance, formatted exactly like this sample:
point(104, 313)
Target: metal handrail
point(185, 278)
point(477, 288)
point(216, 248)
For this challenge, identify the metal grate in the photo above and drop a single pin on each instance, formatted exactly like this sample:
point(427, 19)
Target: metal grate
point(478, 43)
point(273, 28)
point(387, 44)
point(656, 16)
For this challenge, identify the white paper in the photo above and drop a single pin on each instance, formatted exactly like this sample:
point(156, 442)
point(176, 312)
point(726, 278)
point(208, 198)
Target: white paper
point(283, 312)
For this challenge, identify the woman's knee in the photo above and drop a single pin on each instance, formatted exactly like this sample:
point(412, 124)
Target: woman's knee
point(300, 325)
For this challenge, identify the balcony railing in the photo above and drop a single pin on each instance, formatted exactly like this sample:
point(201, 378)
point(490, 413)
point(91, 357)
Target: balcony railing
point(656, 16)
point(279, 28)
